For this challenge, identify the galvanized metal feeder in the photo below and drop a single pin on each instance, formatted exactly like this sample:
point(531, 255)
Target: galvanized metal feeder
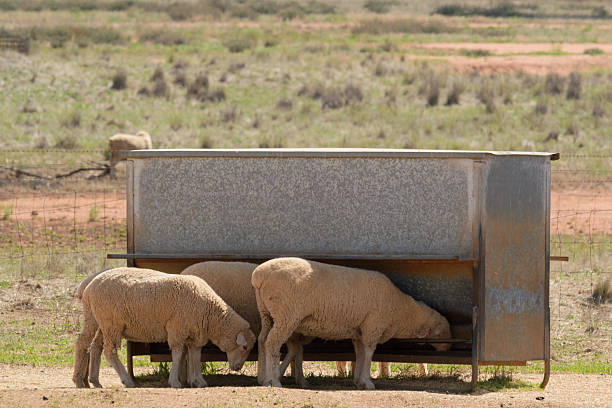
point(467, 232)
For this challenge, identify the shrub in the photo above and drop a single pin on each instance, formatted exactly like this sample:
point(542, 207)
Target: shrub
point(199, 87)
point(284, 103)
point(450, 10)
point(242, 11)
point(240, 42)
point(378, 26)
point(487, 97)
point(455, 94)
point(66, 142)
point(180, 78)
point(71, 120)
point(541, 107)
point(378, 6)
point(180, 11)
point(504, 9)
point(265, 6)
point(381, 69)
point(475, 53)
point(103, 35)
point(332, 98)
point(119, 79)
point(216, 95)
point(352, 93)
point(602, 293)
point(158, 74)
point(317, 7)
point(599, 111)
point(574, 87)
point(160, 88)
point(554, 84)
point(162, 37)
point(430, 88)
point(57, 37)
point(230, 114)
point(600, 12)
point(593, 51)
point(206, 143)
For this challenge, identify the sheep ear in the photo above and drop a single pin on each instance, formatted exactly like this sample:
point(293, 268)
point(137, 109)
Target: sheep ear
point(423, 333)
point(240, 340)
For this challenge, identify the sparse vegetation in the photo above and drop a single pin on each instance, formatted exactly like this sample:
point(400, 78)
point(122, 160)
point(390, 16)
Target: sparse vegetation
point(119, 79)
point(574, 88)
point(602, 293)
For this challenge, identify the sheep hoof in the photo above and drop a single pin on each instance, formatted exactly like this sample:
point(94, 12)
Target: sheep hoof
point(272, 383)
point(366, 385)
point(80, 383)
point(198, 383)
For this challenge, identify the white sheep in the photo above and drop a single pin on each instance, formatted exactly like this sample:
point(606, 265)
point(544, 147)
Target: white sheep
point(232, 281)
point(335, 302)
point(150, 306)
point(121, 141)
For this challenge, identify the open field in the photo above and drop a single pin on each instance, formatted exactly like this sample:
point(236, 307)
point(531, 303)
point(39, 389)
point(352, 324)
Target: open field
point(258, 73)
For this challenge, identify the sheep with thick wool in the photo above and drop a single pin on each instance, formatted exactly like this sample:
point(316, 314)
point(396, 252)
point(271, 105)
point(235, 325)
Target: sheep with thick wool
point(336, 302)
point(232, 281)
point(122, 141)
point(150, 306)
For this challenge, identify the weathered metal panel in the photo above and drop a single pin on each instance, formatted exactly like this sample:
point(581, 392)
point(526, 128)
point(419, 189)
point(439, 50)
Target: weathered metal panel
point(515, 249)
point(288, 205)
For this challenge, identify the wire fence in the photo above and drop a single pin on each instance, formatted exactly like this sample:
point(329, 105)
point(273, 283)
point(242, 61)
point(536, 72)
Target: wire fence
point(52, 231)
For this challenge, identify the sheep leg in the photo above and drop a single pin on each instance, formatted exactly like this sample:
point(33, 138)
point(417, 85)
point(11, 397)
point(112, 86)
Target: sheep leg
point(95, 355)
point(299, 372)
point(266, 325)
point(356, 366)
point(111, 342)
point(81, 348)
point(278, 335)
point(196, 380)
point(365, 381)
point(423, 371)
point(384, 369)
point(341, 367)
point(291, 353)
point(177, 358)
point(185, 367)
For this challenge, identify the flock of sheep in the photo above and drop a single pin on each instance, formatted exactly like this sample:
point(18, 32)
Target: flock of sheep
point(284, 301)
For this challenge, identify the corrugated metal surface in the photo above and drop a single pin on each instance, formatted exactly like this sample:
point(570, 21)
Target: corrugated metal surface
point(288, 205)
point(515, 256)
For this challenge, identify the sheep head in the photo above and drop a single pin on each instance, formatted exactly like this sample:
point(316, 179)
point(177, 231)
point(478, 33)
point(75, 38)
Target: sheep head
point(236, 356)
point(436, 327)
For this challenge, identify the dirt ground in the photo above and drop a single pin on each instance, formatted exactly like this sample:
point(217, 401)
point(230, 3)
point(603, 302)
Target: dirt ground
point(22, 386)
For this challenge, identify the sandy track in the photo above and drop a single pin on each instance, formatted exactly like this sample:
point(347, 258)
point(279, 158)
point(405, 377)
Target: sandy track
point(44, 386)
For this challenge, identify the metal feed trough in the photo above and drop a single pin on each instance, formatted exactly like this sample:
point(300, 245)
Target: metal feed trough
point(467, 232)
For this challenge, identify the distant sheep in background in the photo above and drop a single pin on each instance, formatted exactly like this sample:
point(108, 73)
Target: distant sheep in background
point(121, 141)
